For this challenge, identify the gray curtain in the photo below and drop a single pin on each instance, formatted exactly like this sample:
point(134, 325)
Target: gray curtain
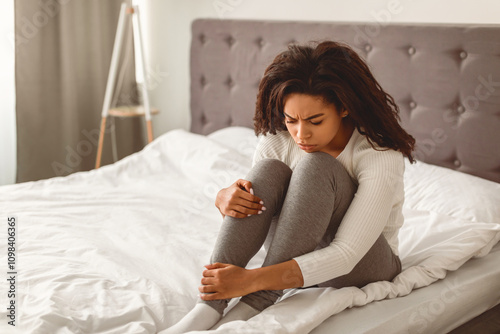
point(63, 54)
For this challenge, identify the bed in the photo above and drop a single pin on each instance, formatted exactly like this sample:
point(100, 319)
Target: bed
point(121, 249)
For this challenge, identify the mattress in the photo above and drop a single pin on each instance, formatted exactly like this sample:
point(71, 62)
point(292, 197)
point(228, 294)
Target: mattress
point(121, 249)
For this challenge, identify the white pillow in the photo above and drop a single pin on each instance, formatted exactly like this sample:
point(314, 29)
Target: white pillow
point(449, 192)
point(238, 138)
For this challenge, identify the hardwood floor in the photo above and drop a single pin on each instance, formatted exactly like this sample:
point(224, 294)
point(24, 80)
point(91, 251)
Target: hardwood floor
point(486, 323)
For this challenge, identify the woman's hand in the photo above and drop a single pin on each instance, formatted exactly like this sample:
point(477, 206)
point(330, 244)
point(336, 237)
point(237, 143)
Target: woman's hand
point(238, 200)
point(221, 281)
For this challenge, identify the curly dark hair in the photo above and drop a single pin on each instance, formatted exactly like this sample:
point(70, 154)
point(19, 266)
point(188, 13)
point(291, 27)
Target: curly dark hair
point(336, 73)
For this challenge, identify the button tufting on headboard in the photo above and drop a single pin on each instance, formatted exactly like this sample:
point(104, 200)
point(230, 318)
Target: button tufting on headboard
point(448, 92)
point(203, 118)
point(230, 40)
point(202, 38)
point(229, 82)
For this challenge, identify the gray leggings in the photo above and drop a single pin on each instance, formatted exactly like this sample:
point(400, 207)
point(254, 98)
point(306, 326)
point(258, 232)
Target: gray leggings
point(304, 211)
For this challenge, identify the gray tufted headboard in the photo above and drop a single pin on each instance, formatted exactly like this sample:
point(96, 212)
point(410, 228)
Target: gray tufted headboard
point(445, 79)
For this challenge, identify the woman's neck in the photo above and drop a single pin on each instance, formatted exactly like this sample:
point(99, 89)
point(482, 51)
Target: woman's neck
point(340, 142)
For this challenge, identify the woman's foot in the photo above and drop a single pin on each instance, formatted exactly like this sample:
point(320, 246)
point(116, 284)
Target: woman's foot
point(202, 317)
point(240, 311)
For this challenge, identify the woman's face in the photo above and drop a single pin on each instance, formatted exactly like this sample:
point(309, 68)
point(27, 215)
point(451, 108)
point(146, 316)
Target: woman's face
point(315, 125)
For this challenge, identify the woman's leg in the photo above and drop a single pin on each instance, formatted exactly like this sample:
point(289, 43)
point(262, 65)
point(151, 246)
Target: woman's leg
point(379, 264)
point(240, 239)
point(319, 194)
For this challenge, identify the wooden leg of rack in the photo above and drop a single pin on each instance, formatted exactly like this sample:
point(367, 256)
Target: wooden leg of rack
point(101, 140)
point(150, 131)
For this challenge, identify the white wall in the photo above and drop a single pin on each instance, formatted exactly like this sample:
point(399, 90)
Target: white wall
point(167, 26)
point(7, 95)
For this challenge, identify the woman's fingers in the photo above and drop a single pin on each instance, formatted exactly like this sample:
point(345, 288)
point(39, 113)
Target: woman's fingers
point(211, 296)
point(207, 288)
point(245, 184)
point(246, 205)
point(247, 191)
point(248, 210)
point(250, 198)
point(209, 272)
point(207, 281)
point(241, 211)
point(215, 265)
point(236, 214)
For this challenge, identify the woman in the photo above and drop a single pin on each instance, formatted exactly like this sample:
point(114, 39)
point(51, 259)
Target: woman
point(326, 188)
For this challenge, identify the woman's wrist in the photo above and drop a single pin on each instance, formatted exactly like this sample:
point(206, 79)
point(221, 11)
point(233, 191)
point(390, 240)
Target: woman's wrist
point(217, 199)
point(255, 282)
point(217, 202)
point(280, 276)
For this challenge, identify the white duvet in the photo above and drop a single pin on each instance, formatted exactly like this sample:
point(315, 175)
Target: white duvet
point(121, 249)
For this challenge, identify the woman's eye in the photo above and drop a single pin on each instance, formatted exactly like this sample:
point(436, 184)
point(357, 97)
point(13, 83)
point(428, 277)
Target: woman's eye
point(289, 121)
point(316, 123)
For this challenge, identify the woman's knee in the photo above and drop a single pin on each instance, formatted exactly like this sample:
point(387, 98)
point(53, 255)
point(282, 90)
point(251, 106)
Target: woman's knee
point(272, 164)
point(319, 162)
point(322, 167)
point(317, 159)
point(270, 170)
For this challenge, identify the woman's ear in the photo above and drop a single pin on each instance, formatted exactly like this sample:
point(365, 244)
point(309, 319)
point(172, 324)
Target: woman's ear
point(344, 113)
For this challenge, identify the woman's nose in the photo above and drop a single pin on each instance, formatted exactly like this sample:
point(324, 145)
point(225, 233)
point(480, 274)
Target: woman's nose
point(303, 132)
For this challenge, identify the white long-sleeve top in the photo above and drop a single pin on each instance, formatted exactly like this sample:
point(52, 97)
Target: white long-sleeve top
point(375, 209)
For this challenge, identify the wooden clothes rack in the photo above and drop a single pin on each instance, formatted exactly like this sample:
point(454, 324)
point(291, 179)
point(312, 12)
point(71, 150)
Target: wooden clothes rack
point(125, 111)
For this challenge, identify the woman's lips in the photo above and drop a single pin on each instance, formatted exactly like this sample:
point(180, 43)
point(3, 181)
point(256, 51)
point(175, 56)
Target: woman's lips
point(306, 147)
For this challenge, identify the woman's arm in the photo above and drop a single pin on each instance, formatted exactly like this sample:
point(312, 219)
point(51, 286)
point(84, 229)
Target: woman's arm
point(378, 200)
point(221, 281)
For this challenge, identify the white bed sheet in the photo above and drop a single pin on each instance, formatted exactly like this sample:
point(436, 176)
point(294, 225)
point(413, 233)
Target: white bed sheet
point(121, 249)
point(438, 308)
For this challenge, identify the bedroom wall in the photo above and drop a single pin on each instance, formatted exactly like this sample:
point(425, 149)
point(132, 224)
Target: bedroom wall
point(167, 30)
point(7, 95)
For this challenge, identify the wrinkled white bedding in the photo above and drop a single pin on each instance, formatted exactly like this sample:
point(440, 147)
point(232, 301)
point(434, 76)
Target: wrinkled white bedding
point(121, 249)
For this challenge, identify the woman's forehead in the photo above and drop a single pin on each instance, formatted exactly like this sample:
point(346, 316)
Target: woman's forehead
point(304, 105)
